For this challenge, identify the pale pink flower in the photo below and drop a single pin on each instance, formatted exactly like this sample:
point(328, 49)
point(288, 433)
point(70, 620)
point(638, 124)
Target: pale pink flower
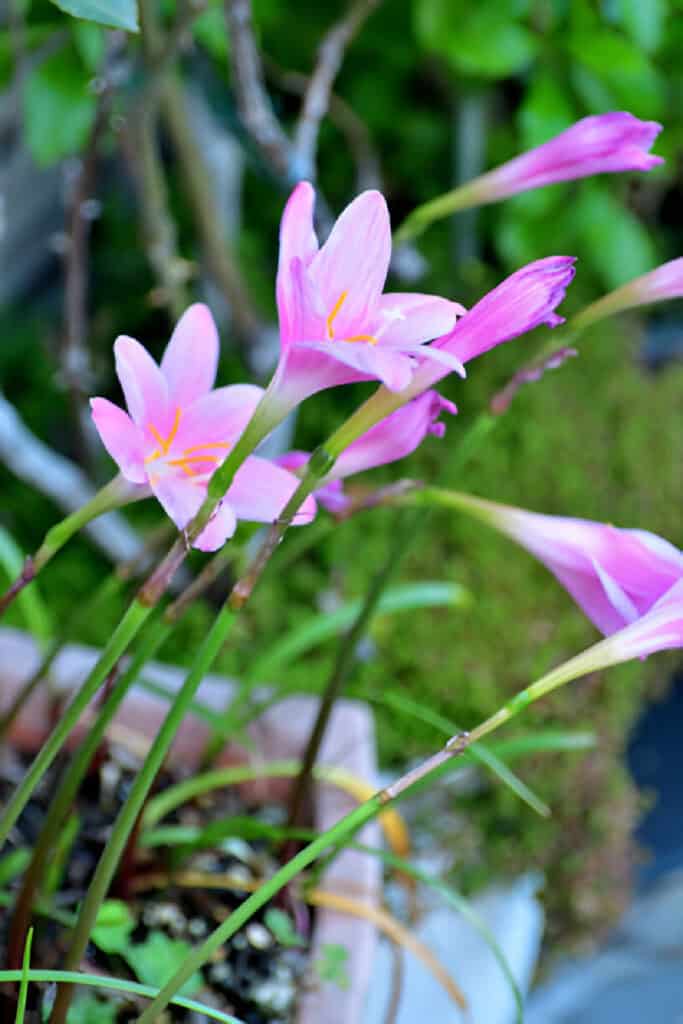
point(391, 439)
point(336, 324)
point(600, 144)
point(615, 575)
point(178, 431)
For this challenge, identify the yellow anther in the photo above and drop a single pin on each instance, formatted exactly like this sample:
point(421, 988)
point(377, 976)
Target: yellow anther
point(335, 310)
point(209, 444)
point(369, 338)
point(164, 442)
point(156, 454)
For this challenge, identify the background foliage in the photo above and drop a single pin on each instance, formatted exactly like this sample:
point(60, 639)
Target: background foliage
point(437, 90)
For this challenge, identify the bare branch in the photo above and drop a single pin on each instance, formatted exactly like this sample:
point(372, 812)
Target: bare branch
point(60, 479)
point(252, 98)
point(317, 96)
point(198, 188)
point(344, 118)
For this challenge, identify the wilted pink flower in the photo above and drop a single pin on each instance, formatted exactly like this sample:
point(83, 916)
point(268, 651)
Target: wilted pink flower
point(336, 325)
point(616, 576)
point(600, 144)
point(179, 431)
point(391, 439)
point(658, 285)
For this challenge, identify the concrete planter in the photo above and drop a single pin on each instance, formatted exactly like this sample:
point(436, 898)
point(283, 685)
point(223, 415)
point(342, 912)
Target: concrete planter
point(280, 732)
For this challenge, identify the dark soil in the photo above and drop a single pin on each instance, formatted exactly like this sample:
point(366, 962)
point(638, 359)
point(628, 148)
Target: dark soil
point(255, 976)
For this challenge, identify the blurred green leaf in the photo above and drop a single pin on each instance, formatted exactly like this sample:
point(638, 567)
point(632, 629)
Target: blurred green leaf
point(616, 73)
point(112, 13)
point(544, 742)
point(282, 927)
point(31, 603)
point(404, 598)
point(59, 108)
point(113, 927)
point(90, 41)
point(614, 241)
point(13, 864)
point(91, 1010)
point(644, 21)
point(331, 965)
point(476, 39)
point(545, 111)
point(211, 31)
point(157, 959)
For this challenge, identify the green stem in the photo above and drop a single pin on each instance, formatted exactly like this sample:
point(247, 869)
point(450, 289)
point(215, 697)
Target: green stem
point(403, 531)
point(122, 637)
point(70, 782)
point(129, 813)
point(116, 493)
point(462, 198)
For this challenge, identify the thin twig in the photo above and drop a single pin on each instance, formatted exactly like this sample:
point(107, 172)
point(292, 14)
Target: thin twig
point(253, 101)
point(342, 116)
point(317, 96)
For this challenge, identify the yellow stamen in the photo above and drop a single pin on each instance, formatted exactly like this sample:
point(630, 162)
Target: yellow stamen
point(369, 338)
point(164, 443)
point(156, 454)
point(209, 444)
point(335, 310)
point(193, 458)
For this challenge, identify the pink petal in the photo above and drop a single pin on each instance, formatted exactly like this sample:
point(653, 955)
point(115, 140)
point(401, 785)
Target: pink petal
point(261, 490)
point(220, 416)
point(191, 358)
point(143, 383)
point(178, 495)
point(220, 528)
point(395, 437)
point(354, 262)
point(122, 439)
point(372, 362)
point(297, 242)
point(413, 325)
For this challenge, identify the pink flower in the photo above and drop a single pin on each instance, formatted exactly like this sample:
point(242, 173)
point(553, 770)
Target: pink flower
point(391, 439)
point(616, 576)
point(336, 325)
point(660, 629)
point(524, 300)
point(601, 144)
point(179, 431)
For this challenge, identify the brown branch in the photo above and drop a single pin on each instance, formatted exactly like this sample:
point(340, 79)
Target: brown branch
point(196, 180)
point(252, 97)
point(317, 96)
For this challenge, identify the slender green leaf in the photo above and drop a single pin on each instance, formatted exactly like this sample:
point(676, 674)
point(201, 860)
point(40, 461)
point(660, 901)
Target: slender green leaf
point(404, 598)
point(548, 742)
point(14, 864)
point(23, 987)
point(644, 21)
point(116, 985)
point(32, 606)
point(112, 13)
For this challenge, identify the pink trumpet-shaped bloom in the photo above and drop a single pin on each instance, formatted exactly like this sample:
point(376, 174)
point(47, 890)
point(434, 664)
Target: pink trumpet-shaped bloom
point(601, 144)
point(658, 285)
point(393, 438)
point(660, 629)
point(178, 431)
point(616, 576)
point(336, 324)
